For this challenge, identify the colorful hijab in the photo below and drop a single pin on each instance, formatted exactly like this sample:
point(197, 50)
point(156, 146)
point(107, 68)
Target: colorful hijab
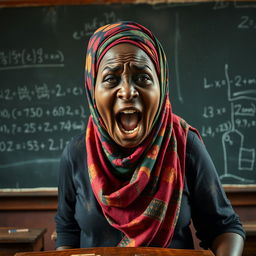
point(139, 192)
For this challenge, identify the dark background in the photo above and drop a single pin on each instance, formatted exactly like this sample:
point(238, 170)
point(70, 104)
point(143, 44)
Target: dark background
point(211, 54)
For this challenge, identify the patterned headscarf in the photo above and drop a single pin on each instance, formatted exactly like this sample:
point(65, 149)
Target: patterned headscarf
point(139, 193)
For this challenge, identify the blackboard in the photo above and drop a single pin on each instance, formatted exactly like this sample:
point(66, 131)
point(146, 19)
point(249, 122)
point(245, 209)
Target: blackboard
point(211, 50)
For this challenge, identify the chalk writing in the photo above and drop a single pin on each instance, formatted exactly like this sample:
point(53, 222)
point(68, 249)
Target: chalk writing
point(45, 127)
point(30, 58)
point(176, 54)
point(237, 81)
point(211, 112)
point(39, 112)
point(35, 145)
point(95, 23)
point(217, 5)
point(40, 127)
point(247, 23)
point(221, 4)
point(39, 91)
point(235, 120)
point(173, 5)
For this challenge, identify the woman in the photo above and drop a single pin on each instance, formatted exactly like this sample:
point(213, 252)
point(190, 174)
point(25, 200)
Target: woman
point(140, 173)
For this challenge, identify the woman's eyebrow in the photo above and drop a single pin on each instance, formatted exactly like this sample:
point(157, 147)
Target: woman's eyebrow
point(112, 69)
point(140, 67)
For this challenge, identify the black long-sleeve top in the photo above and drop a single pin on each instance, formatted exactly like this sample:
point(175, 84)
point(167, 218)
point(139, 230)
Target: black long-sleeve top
point(80, 222)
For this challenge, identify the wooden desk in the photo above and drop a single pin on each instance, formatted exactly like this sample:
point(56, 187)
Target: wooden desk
point(250, 242)
point(120, 251)
point(21, 242)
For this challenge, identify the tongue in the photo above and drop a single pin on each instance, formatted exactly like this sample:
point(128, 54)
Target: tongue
point(129, 121)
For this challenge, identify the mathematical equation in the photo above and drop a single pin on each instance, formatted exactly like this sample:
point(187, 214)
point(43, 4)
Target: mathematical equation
point(238, 81)
point(90, 27)
point(40, 129)
point(53, 113)
point(240, 123)
point(39, 92)
point(239, 113)
point(236, 4)
point(212, 131)
point(239, 110)
point(49, 144)
point(30, 58)
point(40, 112)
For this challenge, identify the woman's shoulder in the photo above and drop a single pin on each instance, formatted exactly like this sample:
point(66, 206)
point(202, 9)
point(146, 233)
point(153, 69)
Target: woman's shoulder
point(75, 146)
point(77, 141)
point(198, 159)
point(200, 169)
point(194, 142)
point(73, 156)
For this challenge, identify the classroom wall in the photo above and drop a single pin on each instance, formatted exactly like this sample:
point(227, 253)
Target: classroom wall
point(37, 210)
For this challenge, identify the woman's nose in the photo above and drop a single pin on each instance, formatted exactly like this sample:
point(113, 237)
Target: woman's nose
point(127, 91)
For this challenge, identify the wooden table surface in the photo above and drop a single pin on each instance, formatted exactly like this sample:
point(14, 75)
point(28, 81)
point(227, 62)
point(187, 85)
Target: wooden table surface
point(120, 251)
point(250, 228)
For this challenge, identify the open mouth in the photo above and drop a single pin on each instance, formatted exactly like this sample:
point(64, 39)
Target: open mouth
point(128, 120)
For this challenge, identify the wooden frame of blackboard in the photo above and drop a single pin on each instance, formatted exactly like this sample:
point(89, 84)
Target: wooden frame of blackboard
point(25, 3)
point(29, 199)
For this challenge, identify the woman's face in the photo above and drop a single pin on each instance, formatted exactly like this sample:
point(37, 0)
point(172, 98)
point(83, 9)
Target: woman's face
point(127, 94)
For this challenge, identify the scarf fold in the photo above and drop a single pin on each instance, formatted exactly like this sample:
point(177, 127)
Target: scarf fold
point(140, 189)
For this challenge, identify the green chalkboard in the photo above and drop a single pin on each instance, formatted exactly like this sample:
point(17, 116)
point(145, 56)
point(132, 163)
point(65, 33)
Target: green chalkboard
point(211, 50)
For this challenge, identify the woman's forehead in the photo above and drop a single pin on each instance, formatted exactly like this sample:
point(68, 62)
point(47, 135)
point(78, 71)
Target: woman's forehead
point(123, 53)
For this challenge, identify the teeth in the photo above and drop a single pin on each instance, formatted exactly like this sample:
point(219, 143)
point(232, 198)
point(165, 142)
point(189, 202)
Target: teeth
point(129, 111)
point(131, 131)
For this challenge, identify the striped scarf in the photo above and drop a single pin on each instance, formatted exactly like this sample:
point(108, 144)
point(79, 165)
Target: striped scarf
point(140, 192)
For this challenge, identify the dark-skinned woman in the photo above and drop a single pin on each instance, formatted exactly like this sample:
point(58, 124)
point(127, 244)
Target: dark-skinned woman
point(139, 174)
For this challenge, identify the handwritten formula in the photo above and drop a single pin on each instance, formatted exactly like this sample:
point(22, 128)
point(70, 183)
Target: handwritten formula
point(232, 122)
point(27, 58)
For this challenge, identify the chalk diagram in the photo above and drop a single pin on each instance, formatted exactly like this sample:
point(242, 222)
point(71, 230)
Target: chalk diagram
point(237, 157)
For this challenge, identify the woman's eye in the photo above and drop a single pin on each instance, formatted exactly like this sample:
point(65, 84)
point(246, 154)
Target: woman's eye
point(143, 79)
point(111, 80)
